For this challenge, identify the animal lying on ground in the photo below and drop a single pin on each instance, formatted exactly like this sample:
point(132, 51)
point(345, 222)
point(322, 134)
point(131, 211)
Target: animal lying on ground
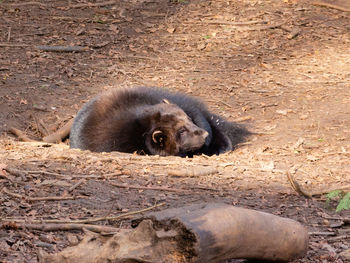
point(152, 121)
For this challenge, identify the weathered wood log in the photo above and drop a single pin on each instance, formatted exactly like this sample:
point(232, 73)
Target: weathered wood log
point(198, 233)
point(226, 232)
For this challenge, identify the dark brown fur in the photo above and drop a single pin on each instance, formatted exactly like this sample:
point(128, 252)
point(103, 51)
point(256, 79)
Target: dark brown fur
point(121, 120)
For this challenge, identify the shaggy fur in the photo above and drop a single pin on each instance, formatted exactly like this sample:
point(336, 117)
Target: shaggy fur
point(152, 121)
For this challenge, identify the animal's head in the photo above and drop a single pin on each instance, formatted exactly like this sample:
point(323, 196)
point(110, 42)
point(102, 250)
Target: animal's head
point(172, 132)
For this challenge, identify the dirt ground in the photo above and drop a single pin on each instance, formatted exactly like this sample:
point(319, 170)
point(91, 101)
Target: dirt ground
point(280, 67)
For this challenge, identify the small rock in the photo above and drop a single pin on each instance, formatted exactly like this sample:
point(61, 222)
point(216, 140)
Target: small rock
point(72, 239)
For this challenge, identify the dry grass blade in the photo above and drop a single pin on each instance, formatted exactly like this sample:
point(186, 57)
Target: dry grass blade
point(295, 185)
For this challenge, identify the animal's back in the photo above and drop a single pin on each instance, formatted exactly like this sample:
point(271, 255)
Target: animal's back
point(76, 140)
point(105, 118)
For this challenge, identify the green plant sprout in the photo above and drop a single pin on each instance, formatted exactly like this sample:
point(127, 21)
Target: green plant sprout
point(344, 203)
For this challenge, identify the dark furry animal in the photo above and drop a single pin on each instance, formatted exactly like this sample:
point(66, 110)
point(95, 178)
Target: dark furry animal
point(139, 120)
point(133, 120)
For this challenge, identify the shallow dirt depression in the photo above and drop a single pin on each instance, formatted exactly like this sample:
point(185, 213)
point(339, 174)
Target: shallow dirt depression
point(279, 67)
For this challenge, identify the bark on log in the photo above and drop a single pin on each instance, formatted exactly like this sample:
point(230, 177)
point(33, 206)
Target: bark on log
point(226, 232)
point(204, 233)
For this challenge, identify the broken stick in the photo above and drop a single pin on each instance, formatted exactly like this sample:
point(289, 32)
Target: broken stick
point(21, 135)
point(62, 48)
point(60, 134)
point(330, 5)
point(295, 185)
point(44, 198)
point(61, 227)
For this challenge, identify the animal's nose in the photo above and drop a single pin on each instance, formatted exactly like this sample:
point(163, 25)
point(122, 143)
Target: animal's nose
point(205, 134)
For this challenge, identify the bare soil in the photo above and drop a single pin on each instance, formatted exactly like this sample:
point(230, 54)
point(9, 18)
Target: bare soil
point(280, 67)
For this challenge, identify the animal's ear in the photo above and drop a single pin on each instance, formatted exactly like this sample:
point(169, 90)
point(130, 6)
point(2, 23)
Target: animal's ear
point(158, 137)
point(156, 116)
point(168, 117)
point(148, 120)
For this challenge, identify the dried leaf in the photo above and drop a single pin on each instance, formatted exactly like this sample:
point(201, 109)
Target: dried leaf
point(268, 167)
point(171, 29)
point(2, 167)
point(114, 28)
point(23, 101)
point(298, 143)
point(201, 46)
point(282, 112)
point(312, 158)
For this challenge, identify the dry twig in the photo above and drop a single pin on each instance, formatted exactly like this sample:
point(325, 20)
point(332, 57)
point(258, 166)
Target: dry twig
point(93, 4)
point(329, 5)
point(55, 198)
point(84, 221)
point(15, 172)
point(244, 118)
point(68, 18)
point(62, 48)
point(155, 188)
point(23, 174)
point(299, 190)
point(46, 173)
point(25, 3)
point(20, 135)
point(9, 34)
point(113, 218)
point(293, 32)
point(11, 194)
point(62, 227)
point(76, 185)
point(194, 172)
point(328, 190)
point(44, 198)
point(346, 220)
point(225, 103)
point(13, 45)
point(40, 126)
point(6, 177)
point(297, 187)
point(60, 134)
point(258, 28)
point(233, 23)
point(322, 233)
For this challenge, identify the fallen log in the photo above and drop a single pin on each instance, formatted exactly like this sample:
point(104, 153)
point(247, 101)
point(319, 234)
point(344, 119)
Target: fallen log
point(198, 233)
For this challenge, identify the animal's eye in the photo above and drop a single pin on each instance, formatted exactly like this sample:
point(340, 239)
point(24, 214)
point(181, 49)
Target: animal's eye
point(182, 130)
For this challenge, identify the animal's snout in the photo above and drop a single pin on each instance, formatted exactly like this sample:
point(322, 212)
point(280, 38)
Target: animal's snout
point(205, 134)
point(201, 132)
